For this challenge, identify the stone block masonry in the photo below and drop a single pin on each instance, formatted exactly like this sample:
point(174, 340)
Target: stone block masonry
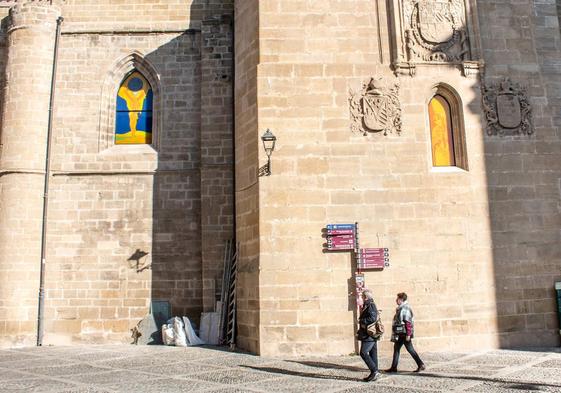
point(246, 165)
point(126, 223)
point(522, 41)
point(474, 245)
point(28, 67)
point(470, 246)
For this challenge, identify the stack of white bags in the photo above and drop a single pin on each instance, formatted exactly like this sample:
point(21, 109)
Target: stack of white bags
point(180, 333)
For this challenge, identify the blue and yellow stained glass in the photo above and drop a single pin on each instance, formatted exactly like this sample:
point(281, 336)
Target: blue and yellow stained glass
point(133, 123)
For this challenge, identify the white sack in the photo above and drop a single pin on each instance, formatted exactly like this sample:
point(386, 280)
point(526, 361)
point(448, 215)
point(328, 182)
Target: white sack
point(179, 333)
point(167, 335)
point(192, 338)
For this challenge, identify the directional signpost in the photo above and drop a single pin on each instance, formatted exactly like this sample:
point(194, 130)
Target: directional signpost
point(373, 258)
point(344, 237)
point(341, 237)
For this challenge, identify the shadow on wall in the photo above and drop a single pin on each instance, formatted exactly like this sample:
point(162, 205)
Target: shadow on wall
point(175, 258)
point(176, 238)
point(192, 198)
point(523, 167)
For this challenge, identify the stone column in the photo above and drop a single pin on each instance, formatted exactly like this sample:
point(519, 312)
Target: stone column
point(30, 49)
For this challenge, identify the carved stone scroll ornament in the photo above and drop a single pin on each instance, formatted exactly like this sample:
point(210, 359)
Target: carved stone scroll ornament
point(507, 109)
point(435, 31)
point(375, 108)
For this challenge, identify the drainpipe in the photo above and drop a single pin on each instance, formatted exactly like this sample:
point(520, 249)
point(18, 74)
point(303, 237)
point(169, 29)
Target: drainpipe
point(234, 221)
point(234, 210)
point(40, 311)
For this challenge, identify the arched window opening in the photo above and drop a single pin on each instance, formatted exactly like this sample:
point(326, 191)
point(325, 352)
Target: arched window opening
point(133, 120)
point(441, 132)
point(448, 142)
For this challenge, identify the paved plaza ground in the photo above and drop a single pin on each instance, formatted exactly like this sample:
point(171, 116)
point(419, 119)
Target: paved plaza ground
point(97, 369)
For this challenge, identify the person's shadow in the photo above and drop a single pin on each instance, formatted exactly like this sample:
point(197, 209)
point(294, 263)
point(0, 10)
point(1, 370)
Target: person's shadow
point(277, 370)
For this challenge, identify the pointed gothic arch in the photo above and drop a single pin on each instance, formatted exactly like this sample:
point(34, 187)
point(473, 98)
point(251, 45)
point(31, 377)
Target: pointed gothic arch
point(118, 72)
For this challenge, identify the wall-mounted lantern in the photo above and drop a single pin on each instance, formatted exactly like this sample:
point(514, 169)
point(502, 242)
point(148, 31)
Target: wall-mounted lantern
point(268, 140)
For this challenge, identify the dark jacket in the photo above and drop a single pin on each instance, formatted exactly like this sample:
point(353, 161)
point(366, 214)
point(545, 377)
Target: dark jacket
point(368, 315)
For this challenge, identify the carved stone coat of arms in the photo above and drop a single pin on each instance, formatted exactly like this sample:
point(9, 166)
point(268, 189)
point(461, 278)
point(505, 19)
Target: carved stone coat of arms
point(507, 109)
point(435, 30)
point(375, 108)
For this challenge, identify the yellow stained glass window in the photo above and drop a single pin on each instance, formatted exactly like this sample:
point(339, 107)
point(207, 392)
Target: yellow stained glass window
point(133, 123)
point(441, 132)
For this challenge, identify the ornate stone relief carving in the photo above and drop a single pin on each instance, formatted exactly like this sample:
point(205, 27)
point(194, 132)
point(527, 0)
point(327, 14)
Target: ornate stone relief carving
point(434, 31)
point(507, 109)
point(375, 108)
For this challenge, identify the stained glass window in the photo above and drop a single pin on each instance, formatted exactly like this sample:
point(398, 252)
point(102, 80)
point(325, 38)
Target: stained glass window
point(441, 132)
point(133, 124)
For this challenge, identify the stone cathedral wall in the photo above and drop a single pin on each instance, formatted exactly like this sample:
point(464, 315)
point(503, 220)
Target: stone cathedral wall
point(521, 40)
point(110, 205)
point(475, 247)
point(25, 104)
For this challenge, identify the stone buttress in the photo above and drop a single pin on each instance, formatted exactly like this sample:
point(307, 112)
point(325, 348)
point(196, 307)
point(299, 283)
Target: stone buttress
point(30, 50)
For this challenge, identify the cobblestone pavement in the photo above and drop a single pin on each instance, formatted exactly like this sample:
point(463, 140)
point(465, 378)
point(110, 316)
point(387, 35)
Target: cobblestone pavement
point(97, 369)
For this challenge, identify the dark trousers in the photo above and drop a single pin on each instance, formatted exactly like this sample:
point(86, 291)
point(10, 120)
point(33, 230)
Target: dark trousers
point(369, 353)
point(409, 346)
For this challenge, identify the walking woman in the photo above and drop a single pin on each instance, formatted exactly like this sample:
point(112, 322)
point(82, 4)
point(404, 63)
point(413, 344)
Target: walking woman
point(369, 345)
point(402, 333)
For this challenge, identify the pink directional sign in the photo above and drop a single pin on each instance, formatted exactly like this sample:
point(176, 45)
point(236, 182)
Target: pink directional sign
point(373, 258)
point(337, 242)
point(342, 242)
point(332, 232)
point(341, 237)
point(340, 247)
point(375, 251)
point(371, 263)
